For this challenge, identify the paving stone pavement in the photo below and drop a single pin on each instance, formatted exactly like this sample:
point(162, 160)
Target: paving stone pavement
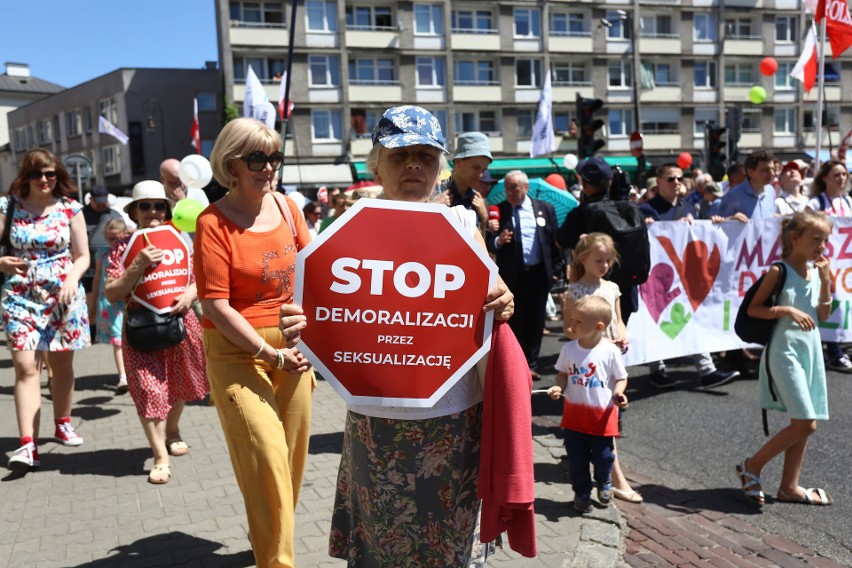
point(92, 507)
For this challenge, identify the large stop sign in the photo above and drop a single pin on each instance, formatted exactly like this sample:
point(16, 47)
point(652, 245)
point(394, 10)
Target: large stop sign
point(393, 294)
point(163, 282)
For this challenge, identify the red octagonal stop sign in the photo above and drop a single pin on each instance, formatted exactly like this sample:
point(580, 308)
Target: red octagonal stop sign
point(393, 293)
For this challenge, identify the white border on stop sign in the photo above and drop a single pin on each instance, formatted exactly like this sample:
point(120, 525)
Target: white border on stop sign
point(477, 249)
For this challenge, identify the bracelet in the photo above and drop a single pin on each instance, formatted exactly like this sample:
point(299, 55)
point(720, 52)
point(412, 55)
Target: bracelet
point(260, 349)
point(279, 358)
point(828, 303)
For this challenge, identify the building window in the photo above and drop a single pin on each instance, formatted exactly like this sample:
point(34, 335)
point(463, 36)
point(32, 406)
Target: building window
point(526, 121)
point(703, 115)
point(528, 72)
point(618, 29)
point(527, 23)
point(20, 139)
point(620, 73)
point(44, 131)
point(257, 13)
point(571, 24)
point(705, 74)
point(656, 26)
point(106, 108)
point(660, 120)
point(569, 73)
point(111, 157)
point(785, 29)
point(324, 70)
point(57, 135)
point(662, 72)
point(74, 123)
point(783, 81)
point(372, 72)
point(428, 19)
point(477, 121)
point(704, 27)
point(362, 122)
point(326, 125)
point(206, 102)
point(785, 121)
point(620, 122)
point(430, 72)
point(369, 18)
point(739, 28)
point(741, 74)
point(321, 15)
point(830, 118)
point(87, 119)
point(472, 21)
point(478, 73)
point(266, 69)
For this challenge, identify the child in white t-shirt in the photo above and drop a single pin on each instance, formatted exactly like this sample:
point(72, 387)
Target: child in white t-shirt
point(592, 378)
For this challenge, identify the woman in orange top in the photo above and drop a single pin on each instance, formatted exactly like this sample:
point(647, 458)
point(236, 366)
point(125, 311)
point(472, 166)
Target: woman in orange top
point(245, 254)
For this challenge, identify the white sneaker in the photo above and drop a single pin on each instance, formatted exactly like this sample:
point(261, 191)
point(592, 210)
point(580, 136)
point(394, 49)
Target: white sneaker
point(843, 364)
point(25, 457)
point(66, 435)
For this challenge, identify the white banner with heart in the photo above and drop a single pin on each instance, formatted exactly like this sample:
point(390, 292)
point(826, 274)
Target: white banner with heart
point(699, 274)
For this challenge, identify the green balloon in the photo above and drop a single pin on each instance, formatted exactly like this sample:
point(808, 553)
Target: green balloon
point(757, 94)
point(185, 214)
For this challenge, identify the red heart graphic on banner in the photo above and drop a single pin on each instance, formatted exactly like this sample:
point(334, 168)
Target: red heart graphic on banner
point(698, 269)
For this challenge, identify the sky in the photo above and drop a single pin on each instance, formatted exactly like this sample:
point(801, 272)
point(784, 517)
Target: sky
point(69, 42)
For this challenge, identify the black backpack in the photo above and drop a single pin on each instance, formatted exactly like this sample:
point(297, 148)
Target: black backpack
point(756, 330)
point(622, 221)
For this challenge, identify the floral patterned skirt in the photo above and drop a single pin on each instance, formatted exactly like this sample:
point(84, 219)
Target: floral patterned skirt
point(406, 491)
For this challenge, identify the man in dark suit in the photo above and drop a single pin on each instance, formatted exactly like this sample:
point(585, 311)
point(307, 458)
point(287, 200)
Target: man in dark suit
point(528, 258)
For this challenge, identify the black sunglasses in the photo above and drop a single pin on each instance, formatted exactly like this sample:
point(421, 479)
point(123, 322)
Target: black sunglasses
point(159, 206)
point(672, 178)
point(257, 160)
point(36, 175)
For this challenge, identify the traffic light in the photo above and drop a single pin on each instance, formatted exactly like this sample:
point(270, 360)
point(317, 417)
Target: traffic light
point(733, 122)
point(587, 144)
point(716, 158)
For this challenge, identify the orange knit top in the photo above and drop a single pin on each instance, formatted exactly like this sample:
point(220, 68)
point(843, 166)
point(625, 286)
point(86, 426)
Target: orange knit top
point(254, 271)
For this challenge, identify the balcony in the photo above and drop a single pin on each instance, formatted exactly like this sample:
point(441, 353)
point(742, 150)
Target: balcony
point(528, 45)
point(736, 93)
point(486, 93)
point(751, 140)
point(663, 44)
point(661, 94)
point(570, 44)
point(325, 94)
point(366, 92)
point(705, 95)
point(832, 93)
point(322, 39)
point(754, 4)
point(258, 35)
point(786, 49)
point(752, 45)
point(332, 148)
point(425, 95)
point(706, 48)
point(361, 146)
point(433, 42)
point(375, 38)
point(527, 94)
point(239, 92)
point(664, 141)
point(475, 40)
point(567, 91)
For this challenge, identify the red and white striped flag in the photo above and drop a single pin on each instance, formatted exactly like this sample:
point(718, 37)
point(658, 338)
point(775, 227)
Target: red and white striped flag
point(195, 132)
point(806, 67)
point(282, 88)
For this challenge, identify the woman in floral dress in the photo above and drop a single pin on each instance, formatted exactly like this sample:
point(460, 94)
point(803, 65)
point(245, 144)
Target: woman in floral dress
point(44, 306)
point(160, 382)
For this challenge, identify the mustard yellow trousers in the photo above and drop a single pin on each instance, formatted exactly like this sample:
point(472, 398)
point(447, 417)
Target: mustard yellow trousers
point(266, 416)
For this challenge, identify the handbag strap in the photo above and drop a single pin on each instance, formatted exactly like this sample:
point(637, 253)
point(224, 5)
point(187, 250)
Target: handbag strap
point(6, 239)
point(281, 201)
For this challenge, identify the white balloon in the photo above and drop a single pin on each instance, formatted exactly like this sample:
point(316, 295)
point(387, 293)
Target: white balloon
point(570, 161)
point(195, 171)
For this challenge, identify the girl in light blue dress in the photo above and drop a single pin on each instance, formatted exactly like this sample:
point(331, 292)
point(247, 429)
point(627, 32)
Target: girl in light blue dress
point(797, 384)
point(109, 316)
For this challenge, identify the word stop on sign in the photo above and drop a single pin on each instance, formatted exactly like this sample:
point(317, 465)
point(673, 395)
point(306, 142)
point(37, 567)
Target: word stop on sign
point(448, 277)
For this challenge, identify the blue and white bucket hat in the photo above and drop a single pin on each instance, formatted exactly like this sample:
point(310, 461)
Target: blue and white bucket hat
point(408, 126)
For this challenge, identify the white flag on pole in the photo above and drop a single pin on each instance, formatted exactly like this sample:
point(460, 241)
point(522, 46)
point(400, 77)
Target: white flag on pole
point(543, 141)
point(106, 127)
point(255, 94)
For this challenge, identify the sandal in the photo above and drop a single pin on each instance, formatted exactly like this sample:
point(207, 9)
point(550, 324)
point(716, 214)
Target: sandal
point(631, 496)
point(751, 484)
point(155, 476)
point(806, 497)
point(177, 447)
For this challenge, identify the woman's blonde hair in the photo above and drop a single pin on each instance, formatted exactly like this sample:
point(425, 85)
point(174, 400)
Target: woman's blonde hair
point(115, 225)
point(797, 224)
point(239, 138)
point(585, 247)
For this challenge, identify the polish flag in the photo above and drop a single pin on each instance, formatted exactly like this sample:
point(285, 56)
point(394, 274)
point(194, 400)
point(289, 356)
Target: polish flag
point(838, 25)
point(281, 95)
point(195, 132)
point(806, 67)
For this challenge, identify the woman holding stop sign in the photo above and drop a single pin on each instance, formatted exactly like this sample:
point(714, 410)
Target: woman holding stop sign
point(379, 518)
point(245, 252)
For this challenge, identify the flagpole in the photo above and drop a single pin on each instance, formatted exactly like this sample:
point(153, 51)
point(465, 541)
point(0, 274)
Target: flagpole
point(286, 118)
point(820, 90)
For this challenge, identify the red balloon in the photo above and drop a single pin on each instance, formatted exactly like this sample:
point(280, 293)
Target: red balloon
point(768, 66)
point(684, 160)
point(556, 180)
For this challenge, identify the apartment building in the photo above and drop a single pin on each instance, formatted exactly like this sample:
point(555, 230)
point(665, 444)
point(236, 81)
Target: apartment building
point(479, 65)
point(153, 107)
